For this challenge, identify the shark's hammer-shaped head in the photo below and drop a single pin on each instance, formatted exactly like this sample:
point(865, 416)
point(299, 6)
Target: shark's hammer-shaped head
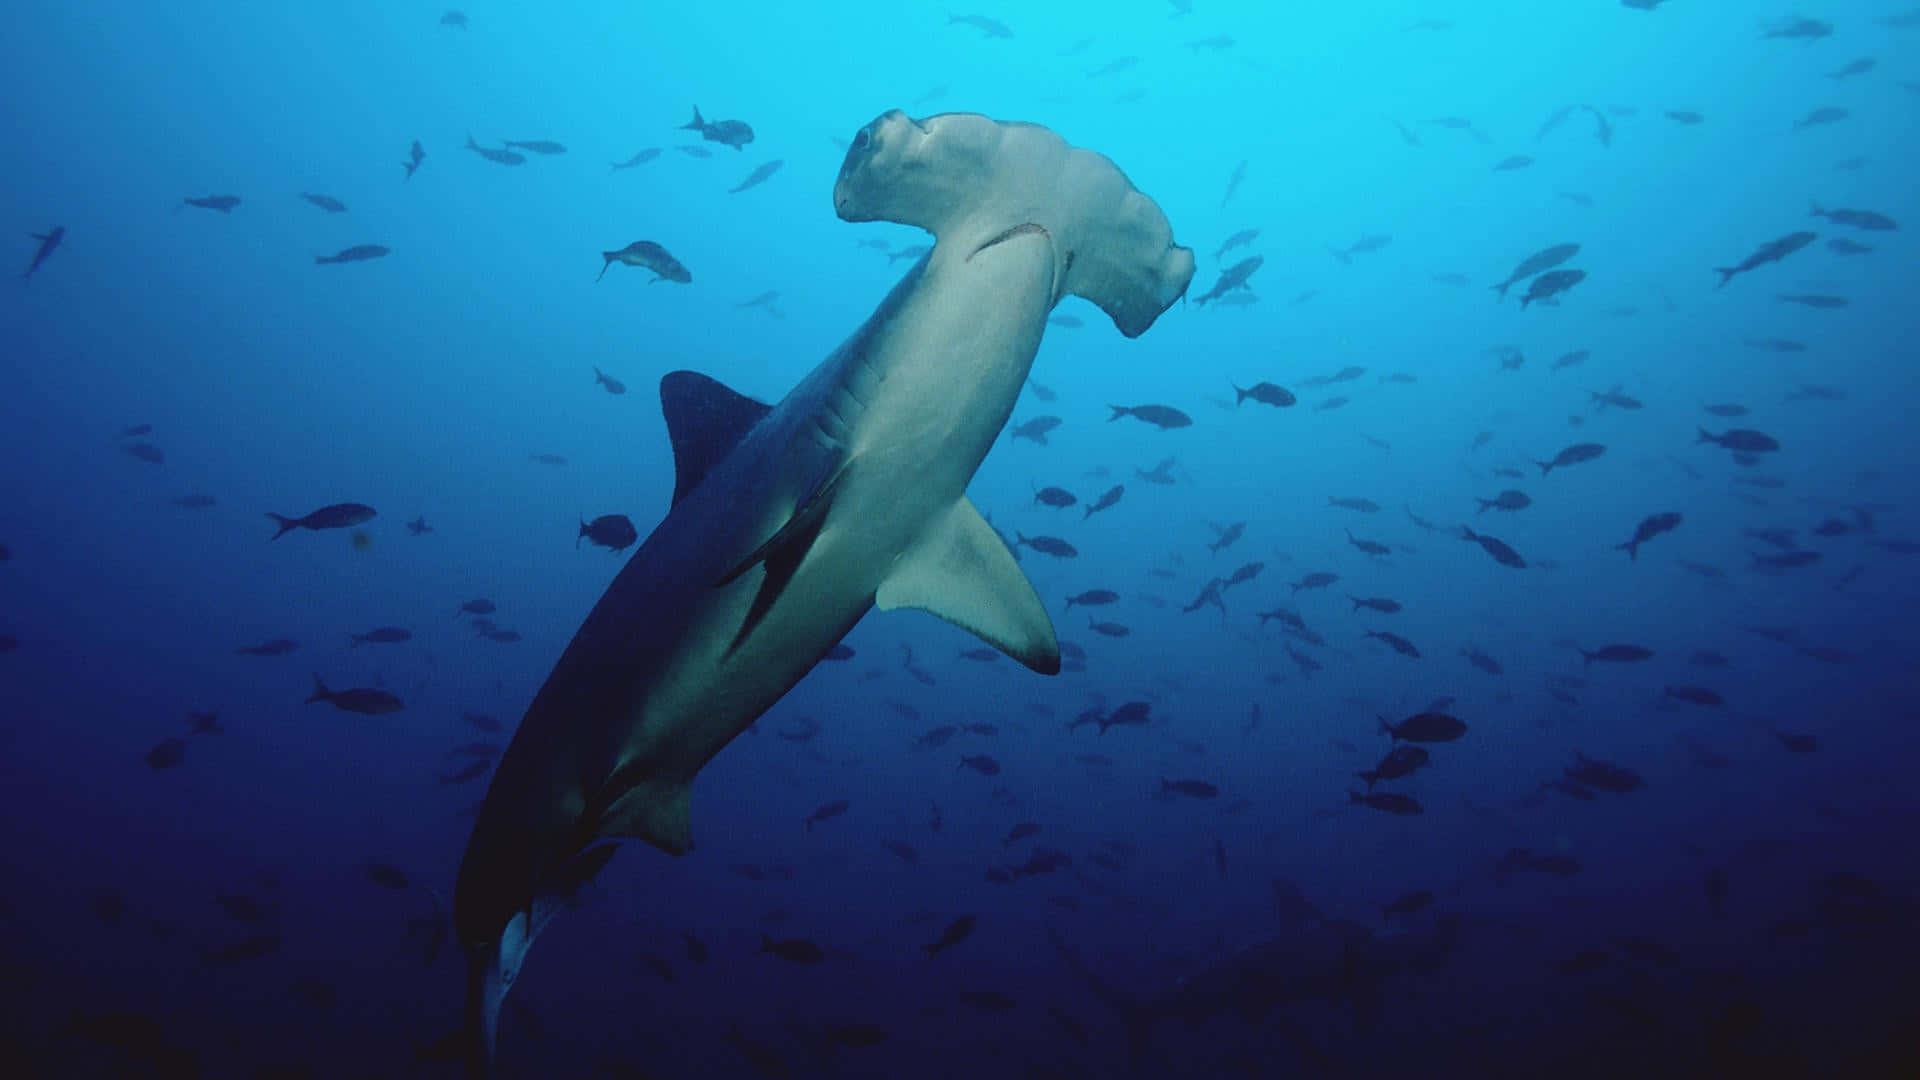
point(972, 180)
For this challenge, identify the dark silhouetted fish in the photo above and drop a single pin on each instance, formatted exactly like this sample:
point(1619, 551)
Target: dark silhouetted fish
point(1426, 727)
point(1319, 579)
point(1617, 654)
point(757, 177)
point(613, 385)
point(168, 754)
point(1408, 903)
point(955, 933)
point(1369, 547)
point(270, 647)
point(1821, 117)
point(1265, 393)
point(1860, 219)
point(1502, 554)
point(1696, 695)
point(1197, 789)
point(1814, 300)
point(1603, 775)
point(1239, 170)
point(1035, 429)
point(640, 158)
point(1552, 284)
point(1742, 441)
point(1508, 500)
point(1537, 263)
point(325, 202)
point(1769, 252)
point(1363, 246)
point(1572, 455)
point(734, 133)
point(826, 812)
point(615, 532)
point(49, 240)
point(1649, 528)
point(980, 763)
point(1400, 762)
point(414, 158)
point(648, 256)
point(498, 157)
point(1163, 417)
point(222, 203)
point(1238, 239)
point(1387, 802)
point(1047, 545)
point(366, 701)
point(1233, 277)
point(793, 950)
point(356, 253)
point(336, 516)
point(1399, 644)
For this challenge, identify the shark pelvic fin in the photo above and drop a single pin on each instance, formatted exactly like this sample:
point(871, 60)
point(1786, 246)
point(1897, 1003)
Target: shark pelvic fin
point(961, 571)
point(649, 811)
point(705, 421)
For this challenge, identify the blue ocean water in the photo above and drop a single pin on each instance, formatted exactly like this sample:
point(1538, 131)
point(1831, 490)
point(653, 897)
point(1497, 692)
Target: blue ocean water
point(266, 893)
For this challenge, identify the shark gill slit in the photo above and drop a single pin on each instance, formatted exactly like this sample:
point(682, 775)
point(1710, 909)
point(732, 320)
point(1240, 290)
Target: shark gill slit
point(1017, 230)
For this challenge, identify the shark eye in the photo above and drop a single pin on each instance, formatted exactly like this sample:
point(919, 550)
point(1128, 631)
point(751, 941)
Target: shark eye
point(863, 140)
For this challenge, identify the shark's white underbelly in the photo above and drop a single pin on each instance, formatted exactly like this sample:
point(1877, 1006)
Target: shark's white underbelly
point(937, 388)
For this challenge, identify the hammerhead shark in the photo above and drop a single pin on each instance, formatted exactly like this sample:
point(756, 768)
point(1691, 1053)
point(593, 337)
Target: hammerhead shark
point(788, 522)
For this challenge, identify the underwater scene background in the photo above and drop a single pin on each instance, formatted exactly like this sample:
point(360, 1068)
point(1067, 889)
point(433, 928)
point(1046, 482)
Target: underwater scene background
point(1463, 680)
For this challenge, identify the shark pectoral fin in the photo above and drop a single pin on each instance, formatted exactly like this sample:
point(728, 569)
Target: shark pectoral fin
point(705, 421)
point(961, 571)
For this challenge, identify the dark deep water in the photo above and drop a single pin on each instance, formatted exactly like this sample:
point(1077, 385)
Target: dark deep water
point(1739, 895)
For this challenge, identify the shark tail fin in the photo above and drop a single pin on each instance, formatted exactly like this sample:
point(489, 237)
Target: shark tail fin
point(696, 123)
point(287, 525)
point(1726, 275)
point(320, 691)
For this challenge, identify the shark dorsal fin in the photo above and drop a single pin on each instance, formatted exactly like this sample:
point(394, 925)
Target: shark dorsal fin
point(961, 571)
point(705, 421)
